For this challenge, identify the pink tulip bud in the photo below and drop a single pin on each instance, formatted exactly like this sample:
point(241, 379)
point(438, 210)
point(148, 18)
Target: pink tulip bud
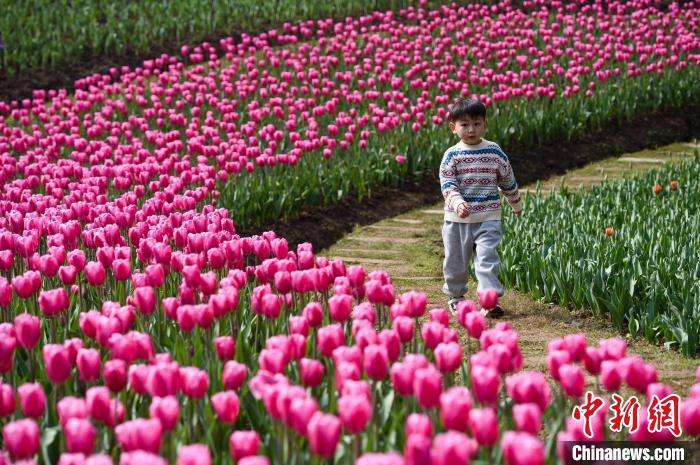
point(520, 448)
point(613, 348)
point(355, 413)
point(80, 436)
point(329, 338)
point(28, 328)
point(427, 386)
point(300, 411)
point(21, 439)
point(164, 380)
point(391, 341)
point(313, 313)
point(404, 326)
point(455, 405)
point(485, 384)
point(488, 298)
point(576, 345)
point(527, 387)
point(166, 410)
point(592, 359)
point(244, 444)
point(89, 364)
point(556, 359)
point(195, 382)
point(483, 424)
point(528, 418)
point(226, 406)
point(475, 323)
point(340, 307)
point(324, 434)
point(376, 362)
point(32, 399)
point(419, 424)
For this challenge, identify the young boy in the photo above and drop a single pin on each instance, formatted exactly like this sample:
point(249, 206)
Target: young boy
point(471, 174)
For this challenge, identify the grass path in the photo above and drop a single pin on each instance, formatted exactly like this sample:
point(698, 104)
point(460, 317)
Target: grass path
point(409, 247)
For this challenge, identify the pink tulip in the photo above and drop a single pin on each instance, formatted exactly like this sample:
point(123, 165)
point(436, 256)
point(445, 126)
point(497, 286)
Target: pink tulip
point(376, 362)
point(488, 298)
point(194, 382)
point(690, 416)
point(572, 380)
point(528, 418)
point(417, 450)
point(115, 375)
point(28, 328)
point(71, 407)
point(324, 434)
point(340, 307)
point(244, 444)
point(448, 356)
point(329, 338)
point(404, 326)
point(254, 460)
point(483, 425)
point(21, 439)
point(164, 379)
point(53, 302)
point(610, 375)
point(311, 372)
point(455, 405)
point(95, 273)
point(419, 424)
point(7, 401)
point(194, 454)
point(451, 448)
point(80, 436)
point(57, 363)
point(166, 410)
point(613, 349)
point(226, 406)
point(592, 359)
point(32, 399)
point(140, 457)
point(140, 434)
point(313, 313)
point(234, 375)
point(529, 387)
point(98, 403)
point(432, 334)
point(427, 386)
point(475, 323)
point(521, 448)
point(391, 458)
point(355, 413)
point(225, 347)
point(145, 299)
point(485, 384)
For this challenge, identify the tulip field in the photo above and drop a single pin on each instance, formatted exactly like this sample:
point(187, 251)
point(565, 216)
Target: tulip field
point(639, 264)
point(138, 327)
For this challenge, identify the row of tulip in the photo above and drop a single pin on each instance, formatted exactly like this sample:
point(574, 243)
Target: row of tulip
point(260, 114)
point(116, 29)
point(634, 259)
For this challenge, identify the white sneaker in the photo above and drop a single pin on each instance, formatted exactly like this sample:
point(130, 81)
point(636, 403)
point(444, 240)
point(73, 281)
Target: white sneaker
point(452, 304)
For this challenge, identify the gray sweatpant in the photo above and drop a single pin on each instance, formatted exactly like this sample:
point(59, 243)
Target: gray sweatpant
point(460, 240)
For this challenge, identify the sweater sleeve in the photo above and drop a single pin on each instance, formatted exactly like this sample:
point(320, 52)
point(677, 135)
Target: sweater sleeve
point(448, 183)
point(508, 185)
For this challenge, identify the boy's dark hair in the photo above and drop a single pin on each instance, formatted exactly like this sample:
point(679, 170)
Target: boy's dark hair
point(467, 107)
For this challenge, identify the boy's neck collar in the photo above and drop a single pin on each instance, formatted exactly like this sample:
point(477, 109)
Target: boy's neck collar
point(472, 146)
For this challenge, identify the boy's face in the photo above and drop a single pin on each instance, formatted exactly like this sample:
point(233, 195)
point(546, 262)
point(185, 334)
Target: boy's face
point(469, 129)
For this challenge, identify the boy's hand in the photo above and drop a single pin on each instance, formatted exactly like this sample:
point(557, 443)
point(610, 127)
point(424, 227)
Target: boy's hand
point(462, 210)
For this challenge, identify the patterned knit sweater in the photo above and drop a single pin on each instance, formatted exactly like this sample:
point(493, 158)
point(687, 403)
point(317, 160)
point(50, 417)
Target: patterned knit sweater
point(474, 174)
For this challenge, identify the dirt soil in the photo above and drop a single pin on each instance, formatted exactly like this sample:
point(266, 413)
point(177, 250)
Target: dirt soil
point(324, 226)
